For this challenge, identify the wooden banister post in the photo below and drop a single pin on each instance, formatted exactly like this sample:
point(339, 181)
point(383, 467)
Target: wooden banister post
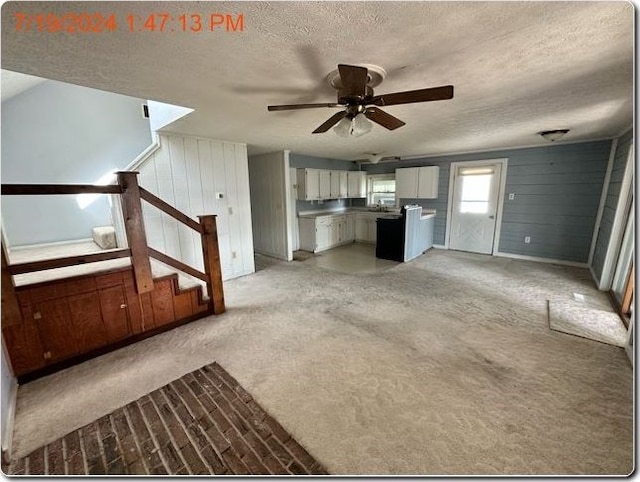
point(134, 227)
point(11, 314)
point(211, 254)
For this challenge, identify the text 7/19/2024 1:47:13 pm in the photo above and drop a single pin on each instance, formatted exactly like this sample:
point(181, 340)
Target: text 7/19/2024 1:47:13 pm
point(96, 22)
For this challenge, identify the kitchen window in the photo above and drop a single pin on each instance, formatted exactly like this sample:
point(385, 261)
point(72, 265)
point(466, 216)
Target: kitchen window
point(381, 189)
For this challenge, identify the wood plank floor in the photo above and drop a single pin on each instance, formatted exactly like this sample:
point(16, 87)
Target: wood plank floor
point(202, 423)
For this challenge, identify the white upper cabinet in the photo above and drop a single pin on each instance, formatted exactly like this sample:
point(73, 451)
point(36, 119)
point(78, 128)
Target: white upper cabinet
point(428, 182)
point(335, 184)
point(357, 184)
point(314, 184)
point(407, 183)
point(417, 182)
point(308, 184)
point(325, 184)
point(344, 184)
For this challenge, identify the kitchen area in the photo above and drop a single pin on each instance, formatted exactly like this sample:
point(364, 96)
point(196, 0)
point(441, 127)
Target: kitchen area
point(383, 233)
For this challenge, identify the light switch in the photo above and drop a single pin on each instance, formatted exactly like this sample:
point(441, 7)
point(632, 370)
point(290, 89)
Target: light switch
point(512, 196)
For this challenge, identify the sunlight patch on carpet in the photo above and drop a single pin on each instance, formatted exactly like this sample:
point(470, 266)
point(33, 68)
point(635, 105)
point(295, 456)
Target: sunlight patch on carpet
point(582, 319)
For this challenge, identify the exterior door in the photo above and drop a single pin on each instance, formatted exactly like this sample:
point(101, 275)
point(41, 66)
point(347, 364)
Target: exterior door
point(475, 204)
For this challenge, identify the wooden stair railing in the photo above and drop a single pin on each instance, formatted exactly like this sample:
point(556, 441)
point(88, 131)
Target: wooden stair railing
point(139, 252)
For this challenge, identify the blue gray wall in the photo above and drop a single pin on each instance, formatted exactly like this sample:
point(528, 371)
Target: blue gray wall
point(611, 202)
point(63, 133)
point(557, 191)
point(300, 161)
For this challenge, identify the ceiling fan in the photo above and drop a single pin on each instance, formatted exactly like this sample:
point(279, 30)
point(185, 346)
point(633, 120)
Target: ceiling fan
point(355, 95)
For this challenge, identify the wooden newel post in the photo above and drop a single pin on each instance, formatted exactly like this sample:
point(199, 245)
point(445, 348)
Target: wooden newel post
point(134, 227)
point(211, 254)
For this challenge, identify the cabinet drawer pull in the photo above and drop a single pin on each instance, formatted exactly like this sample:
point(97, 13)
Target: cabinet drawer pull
point(123, 306)
point(37, 315)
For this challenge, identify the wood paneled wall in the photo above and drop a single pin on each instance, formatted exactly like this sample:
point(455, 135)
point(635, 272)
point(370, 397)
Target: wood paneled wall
point(268, 180)
point(190, 173)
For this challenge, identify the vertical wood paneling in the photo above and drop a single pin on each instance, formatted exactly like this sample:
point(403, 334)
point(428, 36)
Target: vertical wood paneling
point(187, 173)
point(268, 213)
point(611, 202)
point(244, 207)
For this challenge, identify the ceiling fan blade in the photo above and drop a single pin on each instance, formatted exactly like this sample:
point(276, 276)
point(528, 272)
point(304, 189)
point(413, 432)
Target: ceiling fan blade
point(421, 95)
point(301, 106)
point(382, 118)
point(354, 79)
point(328, 124)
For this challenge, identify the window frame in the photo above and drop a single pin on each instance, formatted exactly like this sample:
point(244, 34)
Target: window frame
point(391, 176)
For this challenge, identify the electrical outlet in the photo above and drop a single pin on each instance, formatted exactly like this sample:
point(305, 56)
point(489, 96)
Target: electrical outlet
point(512, 196)
point(230, 210)
point(219, 195)
point(527, 239)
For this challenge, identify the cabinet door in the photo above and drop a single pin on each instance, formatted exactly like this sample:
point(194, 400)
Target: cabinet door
point(56, 329)
point(356, 184)
point(350, 228)
point(372, 234)
point(428, 182)
point(335, 184)
point(343, 190)
point(308, 184)
point(325, 184)
point(87, 321)
point(114, 313)
point(323, 237)
point(362, 228)
point(407, 183)
point(23, 344)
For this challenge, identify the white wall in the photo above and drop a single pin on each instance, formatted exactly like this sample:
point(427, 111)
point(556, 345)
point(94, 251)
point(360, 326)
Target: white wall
point(188, 172)
point(161, 114)
point(64, 134)
point(9, 387)
point(269, 182)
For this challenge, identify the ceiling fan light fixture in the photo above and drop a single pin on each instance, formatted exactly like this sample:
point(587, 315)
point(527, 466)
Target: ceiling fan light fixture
point(343, 128)
point(553, 135)
point(360, 125)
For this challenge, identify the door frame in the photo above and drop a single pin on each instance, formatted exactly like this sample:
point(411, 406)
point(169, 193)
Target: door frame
point(453, 167)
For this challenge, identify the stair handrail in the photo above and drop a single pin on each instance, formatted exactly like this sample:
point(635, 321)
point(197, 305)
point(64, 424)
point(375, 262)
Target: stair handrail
point(139, 251)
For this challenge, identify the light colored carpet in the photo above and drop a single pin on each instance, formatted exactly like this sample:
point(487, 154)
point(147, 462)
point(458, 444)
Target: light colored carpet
point(444, 365)
point(580, 319)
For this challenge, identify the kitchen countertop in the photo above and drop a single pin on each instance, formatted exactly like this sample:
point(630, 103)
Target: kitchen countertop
point(395, 213)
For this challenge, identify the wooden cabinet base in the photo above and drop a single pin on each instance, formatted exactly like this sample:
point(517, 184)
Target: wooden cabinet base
point(64, 322)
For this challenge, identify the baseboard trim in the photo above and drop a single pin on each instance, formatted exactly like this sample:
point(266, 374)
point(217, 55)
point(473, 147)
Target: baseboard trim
point(48, 245)
point(271, 255)
point(7, 440)
point(523, 257)
point(439, 246)
point(595, 277)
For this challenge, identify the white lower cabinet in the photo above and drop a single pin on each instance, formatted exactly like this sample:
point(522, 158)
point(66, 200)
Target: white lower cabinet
point(365, 228)
point(324, 232)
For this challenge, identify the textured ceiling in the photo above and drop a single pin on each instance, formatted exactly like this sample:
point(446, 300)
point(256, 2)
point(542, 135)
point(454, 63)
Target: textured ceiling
point(517, 68)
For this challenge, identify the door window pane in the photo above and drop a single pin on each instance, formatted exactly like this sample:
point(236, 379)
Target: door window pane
point(476, 190)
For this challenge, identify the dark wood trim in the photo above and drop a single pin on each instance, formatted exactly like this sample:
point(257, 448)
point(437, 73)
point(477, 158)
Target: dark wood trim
point(45, 264)
point(628, 292)
point(211, 254)
point(47, 189)
point(617, 307)
point(134, 227)
point(179, 265)
point(10, 307)
point(170, 210)
point(69, 362)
